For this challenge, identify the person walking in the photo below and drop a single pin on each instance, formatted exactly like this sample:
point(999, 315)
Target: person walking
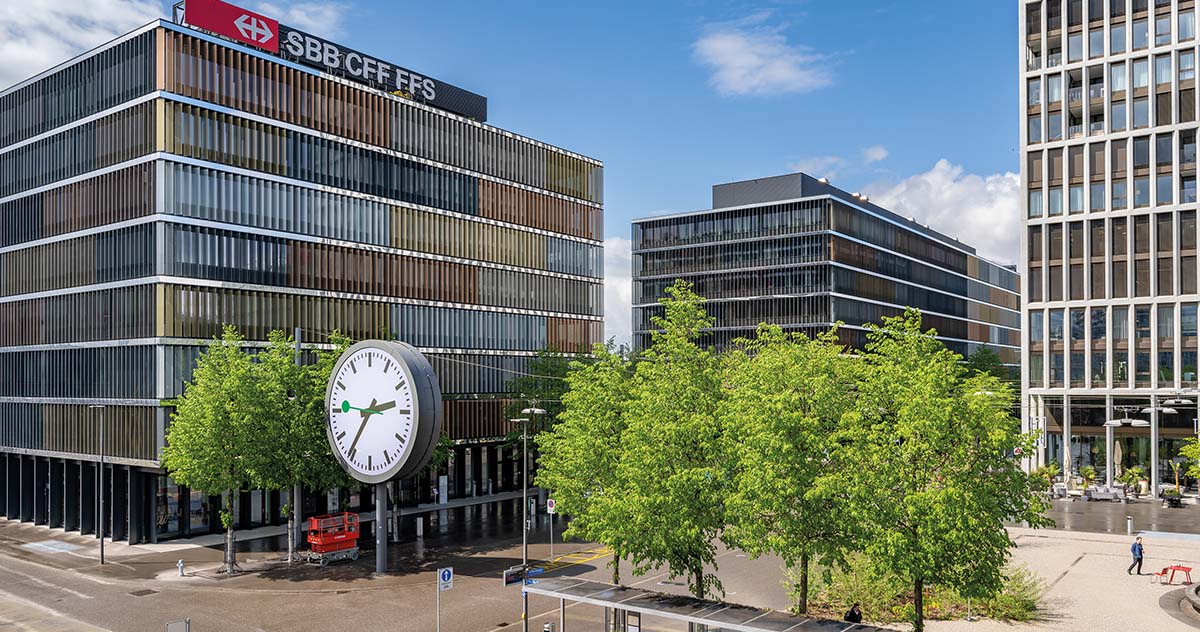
point(1137, 551)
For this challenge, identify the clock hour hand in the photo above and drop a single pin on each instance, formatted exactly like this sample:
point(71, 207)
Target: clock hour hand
point(366, 415)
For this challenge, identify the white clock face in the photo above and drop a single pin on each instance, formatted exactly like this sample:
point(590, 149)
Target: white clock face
point(371, 412)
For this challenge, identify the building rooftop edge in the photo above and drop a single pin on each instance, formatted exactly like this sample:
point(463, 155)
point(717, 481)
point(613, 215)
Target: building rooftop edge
point(163, 22)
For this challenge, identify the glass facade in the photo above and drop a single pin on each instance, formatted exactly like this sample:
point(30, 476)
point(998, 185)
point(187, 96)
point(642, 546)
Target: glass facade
point(169, 183)
point(1135, 257)
point(821, 258)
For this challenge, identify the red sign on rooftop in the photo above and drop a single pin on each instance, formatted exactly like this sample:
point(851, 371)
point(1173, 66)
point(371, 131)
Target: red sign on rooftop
point(233, 22)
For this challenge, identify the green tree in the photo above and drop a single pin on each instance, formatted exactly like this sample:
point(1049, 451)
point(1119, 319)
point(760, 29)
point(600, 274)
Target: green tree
point(1191, 452)
point(988, 362)
point(543, 387)
point(579, 456)
point(214, 429)
point(671, 478)
point(787, 397)
point(291, 424)
point(937, 479)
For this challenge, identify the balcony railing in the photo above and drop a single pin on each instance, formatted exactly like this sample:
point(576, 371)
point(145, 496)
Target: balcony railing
point(1187, 155)
point(1096, 127)
point(1096, 92)
point(1074, 95)
point(1054, 60)
point(1075, 131)
point(1033, 63)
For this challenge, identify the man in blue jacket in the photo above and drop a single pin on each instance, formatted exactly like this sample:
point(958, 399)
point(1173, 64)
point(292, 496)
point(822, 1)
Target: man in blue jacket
point(1136, 550)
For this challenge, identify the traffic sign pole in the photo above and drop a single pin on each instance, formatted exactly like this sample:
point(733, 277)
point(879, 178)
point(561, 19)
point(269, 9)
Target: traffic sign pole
point(550, 510)
point(445, 581)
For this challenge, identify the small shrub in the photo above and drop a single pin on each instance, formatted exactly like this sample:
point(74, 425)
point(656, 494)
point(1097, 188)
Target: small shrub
point(1018, 600)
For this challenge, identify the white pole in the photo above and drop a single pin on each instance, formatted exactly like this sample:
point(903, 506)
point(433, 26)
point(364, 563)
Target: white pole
point(438, 586)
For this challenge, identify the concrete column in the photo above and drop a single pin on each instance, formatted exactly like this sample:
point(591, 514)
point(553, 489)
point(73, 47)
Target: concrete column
point(87, 497)
point(1108, 451)
point(57, 492)
point(1066, 453)
point(71, 495)
point(119, 515)
point(13, 483)
point(28, 488)
point(41, 495)
point(1154, 413)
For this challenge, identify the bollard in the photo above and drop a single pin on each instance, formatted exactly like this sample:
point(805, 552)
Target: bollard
point(548, 627)
point(420, 526)
point(179, 564)
point(1128, 525)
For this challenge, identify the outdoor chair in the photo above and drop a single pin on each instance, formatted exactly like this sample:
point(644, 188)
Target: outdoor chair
point(1157, 578)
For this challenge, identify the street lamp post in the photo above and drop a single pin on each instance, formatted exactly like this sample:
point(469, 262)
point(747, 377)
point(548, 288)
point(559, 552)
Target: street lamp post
point(525, 509)
point(100, 484)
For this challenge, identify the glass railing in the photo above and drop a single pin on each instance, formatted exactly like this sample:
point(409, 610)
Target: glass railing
point(1034, 63)
point(1097, 127)
point(1054, 60)
point(1187, 154)
point(1096, 92)
point(1075, 94)
point(1188, 195)
point(1075, 131)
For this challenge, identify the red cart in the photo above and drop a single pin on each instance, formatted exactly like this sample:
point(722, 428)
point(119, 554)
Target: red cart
point(332, 538)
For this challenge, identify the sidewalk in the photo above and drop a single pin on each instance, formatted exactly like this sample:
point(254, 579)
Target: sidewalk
point(278, 531)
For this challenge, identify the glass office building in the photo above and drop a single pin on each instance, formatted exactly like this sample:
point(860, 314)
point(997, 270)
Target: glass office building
point(171, 181)
point(1108, 139)
point(797, 252)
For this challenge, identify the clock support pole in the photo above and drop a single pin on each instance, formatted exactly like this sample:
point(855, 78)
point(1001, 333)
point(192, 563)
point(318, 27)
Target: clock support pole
point(381, 527)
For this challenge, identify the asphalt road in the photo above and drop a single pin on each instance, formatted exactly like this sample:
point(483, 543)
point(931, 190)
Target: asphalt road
point(42, 586)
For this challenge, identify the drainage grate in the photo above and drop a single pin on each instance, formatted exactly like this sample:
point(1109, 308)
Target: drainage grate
point(143, 592)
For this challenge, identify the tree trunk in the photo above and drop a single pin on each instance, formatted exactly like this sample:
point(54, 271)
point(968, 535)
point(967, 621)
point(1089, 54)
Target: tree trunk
point(802, 607)
point(616, 568)
point(919, 605)
point(231, 566)
point(698, 574)
point(291, 520)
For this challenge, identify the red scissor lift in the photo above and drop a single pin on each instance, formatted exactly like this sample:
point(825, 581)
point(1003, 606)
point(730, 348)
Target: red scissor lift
point(332, 538)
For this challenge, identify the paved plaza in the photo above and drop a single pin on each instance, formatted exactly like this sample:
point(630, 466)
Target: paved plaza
point(50, 580)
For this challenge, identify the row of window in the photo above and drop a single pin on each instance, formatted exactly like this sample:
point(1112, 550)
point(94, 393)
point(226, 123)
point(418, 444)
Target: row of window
point(1135, 36)
point(1155, 187)
point(790, 311)
point(104, 80)
point(94, 145)
point(219, 74)
point(750, 254)
point(229, 256)
point(797, 280)
point(207, 135)
point(125, 253)
point(885, 263)
point(881, 233)
point(860, 313)
point(209, 194)
point(222, 255)
point(130, 432)
point(871, 287)
point(199, 312)
point(105, 199)
point(424, 326)
point(1139, 335)
point(114, 372)
point(857, 339)
point(127, 312)
point(763, 221)
point(1135, 266)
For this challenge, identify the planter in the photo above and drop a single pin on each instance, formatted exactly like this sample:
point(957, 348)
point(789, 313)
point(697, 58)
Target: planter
point(1173, 502)
point(1143, 487)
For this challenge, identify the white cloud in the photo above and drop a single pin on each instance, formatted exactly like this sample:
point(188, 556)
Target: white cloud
point(319, 18)
point(874, 154)
point(618, 290)
point(981, 211)
point(36, 35)
point(751, 57)
point(819, 166)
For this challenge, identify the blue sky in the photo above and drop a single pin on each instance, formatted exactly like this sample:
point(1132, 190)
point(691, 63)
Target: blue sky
point(914, 103)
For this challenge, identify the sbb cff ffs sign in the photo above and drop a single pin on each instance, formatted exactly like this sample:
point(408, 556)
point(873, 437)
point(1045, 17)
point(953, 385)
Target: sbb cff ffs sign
point(233, 22)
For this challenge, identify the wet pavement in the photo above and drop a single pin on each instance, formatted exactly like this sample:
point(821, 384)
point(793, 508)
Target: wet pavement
point(1109, 517)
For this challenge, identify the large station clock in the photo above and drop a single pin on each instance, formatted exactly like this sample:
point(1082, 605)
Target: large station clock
point(385, 411)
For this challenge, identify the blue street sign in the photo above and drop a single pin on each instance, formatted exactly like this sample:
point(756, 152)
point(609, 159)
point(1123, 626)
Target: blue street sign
point(530, 582)
point(537, 570)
